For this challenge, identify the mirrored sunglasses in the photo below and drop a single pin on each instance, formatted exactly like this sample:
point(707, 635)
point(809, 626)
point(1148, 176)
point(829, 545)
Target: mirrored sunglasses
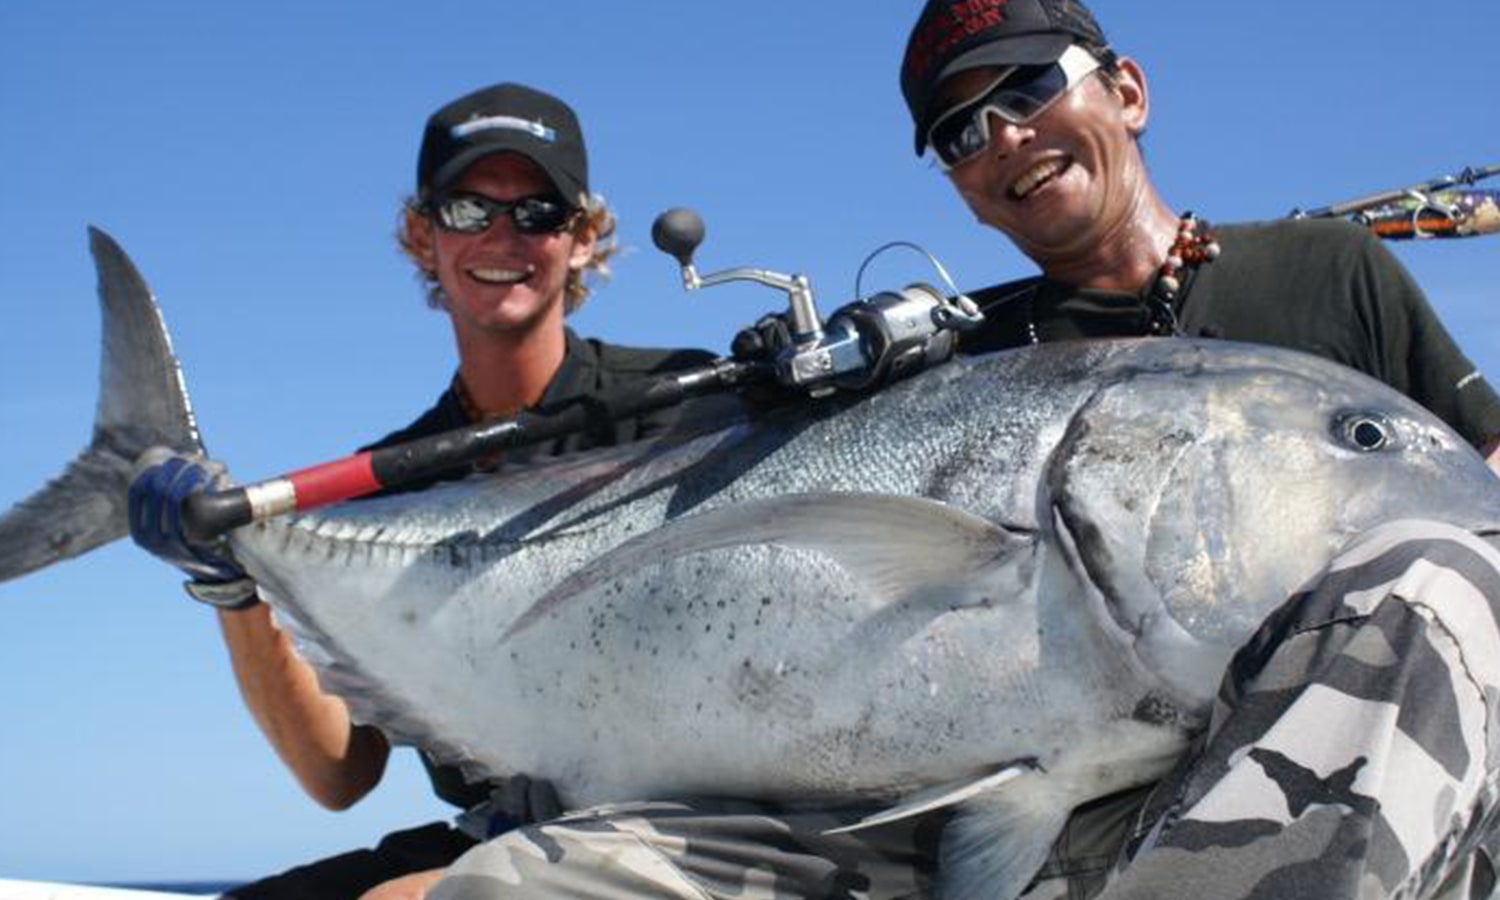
point(474, 213)
point(1017, 95)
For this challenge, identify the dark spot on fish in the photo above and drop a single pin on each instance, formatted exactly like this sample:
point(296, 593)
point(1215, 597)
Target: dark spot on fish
point(1154, 709)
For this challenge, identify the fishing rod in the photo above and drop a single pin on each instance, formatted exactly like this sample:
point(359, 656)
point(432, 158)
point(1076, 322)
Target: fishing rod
point(865, 344)
point(1444, 207)
point(211, 514)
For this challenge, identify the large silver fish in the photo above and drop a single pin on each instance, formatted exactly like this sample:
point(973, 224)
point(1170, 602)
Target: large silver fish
point(1009, 585)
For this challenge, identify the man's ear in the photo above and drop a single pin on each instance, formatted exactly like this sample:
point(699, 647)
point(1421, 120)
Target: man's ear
point(1130, 85)
point(584, 240)
point(419, 240)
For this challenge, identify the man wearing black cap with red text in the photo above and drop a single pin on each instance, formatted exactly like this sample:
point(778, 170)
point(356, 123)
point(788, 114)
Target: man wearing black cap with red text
point(1329, 769)
point(1035, 120)
point(503, 231)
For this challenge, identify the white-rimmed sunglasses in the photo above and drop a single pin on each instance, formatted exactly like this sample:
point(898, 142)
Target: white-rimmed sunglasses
point(1017, 95)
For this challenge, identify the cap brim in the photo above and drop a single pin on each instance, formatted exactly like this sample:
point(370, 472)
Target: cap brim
point(1021, 50)
point(525, 145)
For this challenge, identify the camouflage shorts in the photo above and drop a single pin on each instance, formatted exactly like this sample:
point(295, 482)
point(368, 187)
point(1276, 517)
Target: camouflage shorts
point(1352, 749)
point(711, 849)
point(1349, 754)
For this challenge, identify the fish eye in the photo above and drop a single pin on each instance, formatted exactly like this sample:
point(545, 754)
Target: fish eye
point(1365, 432)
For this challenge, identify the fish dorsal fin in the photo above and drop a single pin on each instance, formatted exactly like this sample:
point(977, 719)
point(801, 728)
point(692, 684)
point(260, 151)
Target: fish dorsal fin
point(941, 796)
point(896, 544)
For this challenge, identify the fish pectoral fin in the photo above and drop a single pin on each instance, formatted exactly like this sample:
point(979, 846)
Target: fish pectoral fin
point(947, 794)
point(897, 544)
point(996, 844)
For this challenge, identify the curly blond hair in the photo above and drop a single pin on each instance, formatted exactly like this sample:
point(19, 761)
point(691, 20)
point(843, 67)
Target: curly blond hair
point(594, 216)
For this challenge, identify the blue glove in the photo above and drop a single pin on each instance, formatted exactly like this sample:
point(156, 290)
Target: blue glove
point(514, 801)
point(157, 495)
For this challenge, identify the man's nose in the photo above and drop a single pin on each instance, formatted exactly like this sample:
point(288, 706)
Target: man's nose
point(1006, 137)
point(501, 227)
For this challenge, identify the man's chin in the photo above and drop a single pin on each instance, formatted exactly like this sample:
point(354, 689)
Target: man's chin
point(513, 319)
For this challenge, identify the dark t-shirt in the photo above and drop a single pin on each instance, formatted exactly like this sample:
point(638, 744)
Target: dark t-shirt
point(1325, 287)
point(588, 367)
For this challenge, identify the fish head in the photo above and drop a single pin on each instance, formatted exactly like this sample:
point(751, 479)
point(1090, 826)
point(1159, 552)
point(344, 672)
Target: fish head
point(1198, 489)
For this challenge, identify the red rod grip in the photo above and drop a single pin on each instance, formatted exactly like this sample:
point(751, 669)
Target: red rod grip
point(331, 482)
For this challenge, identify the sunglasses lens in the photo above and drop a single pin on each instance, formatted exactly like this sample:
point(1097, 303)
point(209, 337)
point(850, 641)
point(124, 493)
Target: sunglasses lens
point(472, 213)
point(467, 215)
point(959, 137)
point(540, 215)
point(1029, 91)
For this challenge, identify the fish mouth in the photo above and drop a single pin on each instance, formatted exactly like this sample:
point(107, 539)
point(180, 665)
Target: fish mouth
point(1038, 177)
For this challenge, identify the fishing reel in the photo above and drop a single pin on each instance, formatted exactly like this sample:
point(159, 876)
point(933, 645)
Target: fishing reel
point(864, 344)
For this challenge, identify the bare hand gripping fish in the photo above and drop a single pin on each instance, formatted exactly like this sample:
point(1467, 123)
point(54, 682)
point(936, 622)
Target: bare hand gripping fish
point(1008, 585)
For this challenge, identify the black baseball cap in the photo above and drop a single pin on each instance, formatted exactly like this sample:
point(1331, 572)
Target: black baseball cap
point(953, 36)
point(498, 119)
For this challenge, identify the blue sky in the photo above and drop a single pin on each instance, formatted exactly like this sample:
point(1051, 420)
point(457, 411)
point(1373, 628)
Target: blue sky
point(252, 156)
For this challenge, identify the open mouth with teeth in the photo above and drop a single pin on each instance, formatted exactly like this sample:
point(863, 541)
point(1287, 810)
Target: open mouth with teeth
point(1037, 177)
point(489, 275)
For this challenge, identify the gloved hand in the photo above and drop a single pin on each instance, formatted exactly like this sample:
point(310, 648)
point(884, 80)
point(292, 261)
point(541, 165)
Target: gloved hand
point(763, 341)
point(161, 486)
point(519, 800)
point(528, 799)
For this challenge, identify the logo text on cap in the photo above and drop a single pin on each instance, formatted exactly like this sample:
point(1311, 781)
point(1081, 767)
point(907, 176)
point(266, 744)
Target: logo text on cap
point(963, 19)
point(536, 129)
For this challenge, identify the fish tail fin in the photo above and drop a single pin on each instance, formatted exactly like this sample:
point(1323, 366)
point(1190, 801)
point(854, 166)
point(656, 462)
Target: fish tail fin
point(143, 403)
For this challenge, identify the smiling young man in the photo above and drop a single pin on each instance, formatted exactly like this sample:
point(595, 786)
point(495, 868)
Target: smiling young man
point(503, 231)
point(1036, 122)
point(1347, 754)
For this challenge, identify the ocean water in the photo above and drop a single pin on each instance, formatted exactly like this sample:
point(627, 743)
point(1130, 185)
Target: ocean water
point(200, 888)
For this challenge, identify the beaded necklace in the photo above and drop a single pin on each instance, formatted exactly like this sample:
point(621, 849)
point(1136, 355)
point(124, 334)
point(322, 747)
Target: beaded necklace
point(1193, 246)
point(1189, 250)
